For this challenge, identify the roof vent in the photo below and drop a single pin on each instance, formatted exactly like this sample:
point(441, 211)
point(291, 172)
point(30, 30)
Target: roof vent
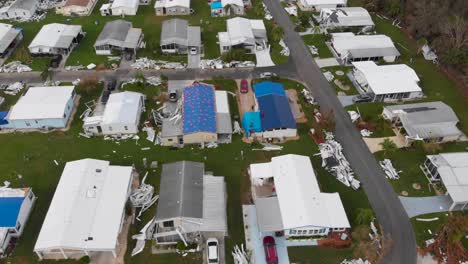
point(98, 170)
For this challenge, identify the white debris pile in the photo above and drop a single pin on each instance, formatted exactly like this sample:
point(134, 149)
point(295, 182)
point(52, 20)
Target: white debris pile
point(308, 96)
point(240, 255)
point(389, 170)
point(237, 128)
point(329, 76)
point(113, 58)
point(270, 147)
point(143, 197)
point(146, 233)
point(151, 80)
point(336, 163)
point(428, 53)
point(355, 261)
point(150, 133)
point(354, 116)
point(14, 88)
point(74, 68)
point(291, 10)
point(145, 63)
point(374, 235)
point(50, 4)
point(220, 64)
point(268, 15)
point(313, 49)
point(15, 66)
point(285, 50)
point(366, 132)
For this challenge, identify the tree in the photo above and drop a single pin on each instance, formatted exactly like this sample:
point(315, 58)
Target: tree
point(277, 33)
point(364, 216)
point(388, 146)
point(141, 79)
point(304, 19)
point(228, 10)
point(453, 41)
point(393, 8)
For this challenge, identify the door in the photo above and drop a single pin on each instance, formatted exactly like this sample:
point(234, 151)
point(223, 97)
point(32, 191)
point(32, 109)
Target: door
point(99, 129)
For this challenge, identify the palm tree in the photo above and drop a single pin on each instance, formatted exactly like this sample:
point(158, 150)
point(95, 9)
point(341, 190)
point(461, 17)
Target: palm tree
point(388, 146)
point(228, 9)
point(277, 33)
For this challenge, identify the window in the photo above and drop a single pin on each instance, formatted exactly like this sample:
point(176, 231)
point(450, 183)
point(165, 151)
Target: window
point(30, 196)
point(18, 226)
point(170, 139)
point(36, 122)
point(292, 232)
point(299, 232)
point(168, 224)
point(64, 115)
point(27, 123)
point(110, 128)
point(126, 127)
point(311, 232)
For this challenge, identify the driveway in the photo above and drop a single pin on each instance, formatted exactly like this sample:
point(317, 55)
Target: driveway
point(425, 205)
point(193, 61)
point(374, 144)
point(263, 58)
point(328, 62)
point(382, 197)
point(346, 100)
point(221, 246)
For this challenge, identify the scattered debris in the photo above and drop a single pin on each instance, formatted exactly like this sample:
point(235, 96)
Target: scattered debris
point(74, 68)
point(389, 170)
point(308, 96)
point(143, 197)
point(150, 132)
point(220, 64)
point(240, 255)
point(427, 219)
point(91, 66)
point(113, 58)
point(146, 233)
point(313, 49)
point(291, 10)
point(13, 89)
point(428, 53)
point(429, 242)
point(355, 261)
point(15, 66)
point(354, 116)
point(336, 163)
point(270, 147)
point(268, 15)
point(151, 80)
point(329, 76)
point(145, 63)
point(56, 163)
point(237, 128)
point(76, 82)
point(366, 133)
point(285, 50)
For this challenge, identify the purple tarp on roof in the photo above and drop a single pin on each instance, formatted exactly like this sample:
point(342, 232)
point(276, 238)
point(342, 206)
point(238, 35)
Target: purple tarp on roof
point(199, 109)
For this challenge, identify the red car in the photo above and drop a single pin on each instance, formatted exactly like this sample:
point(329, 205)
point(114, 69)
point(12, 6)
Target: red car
point(244, 86)
point(270, 250)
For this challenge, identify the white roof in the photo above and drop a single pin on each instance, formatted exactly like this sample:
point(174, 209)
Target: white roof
point(42, 103)
point(372, 45)
point(232, 2)
point(4, 29)
point(325, 2)
point(87, 207)
point(387, 79)
point(347, 16)
point(222, 104)
point(172, 3)
point(300, 201)
point(240, 31)
point(453, 170)
point(56, 35)
point(10, 192)
point(122, 108)
point(125, 3)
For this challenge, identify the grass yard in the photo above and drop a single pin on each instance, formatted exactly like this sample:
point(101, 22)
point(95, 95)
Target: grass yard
point(318, 40)
point(344, 79)
point(421, 228)
point(408, 160)
point(310, 255)
point(371, 112)
point(151, 24)
point(32, 155)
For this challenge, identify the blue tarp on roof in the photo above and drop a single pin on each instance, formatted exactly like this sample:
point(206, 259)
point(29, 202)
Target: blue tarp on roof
point(199, 109)
point(251, 123)
point(216, 5)
point(267, 88)
point(9, 210)
point(275, 112)
point(3, 120)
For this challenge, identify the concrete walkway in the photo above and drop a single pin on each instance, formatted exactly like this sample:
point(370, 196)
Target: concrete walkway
point(327, 62)
point(374, 143)
point(193, 61)
point(425, 205)
point(263, 58)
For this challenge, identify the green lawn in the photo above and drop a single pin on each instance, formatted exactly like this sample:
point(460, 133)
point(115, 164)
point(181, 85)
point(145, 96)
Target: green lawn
point(318, 41)
point(408, 161)
point(312, 255)
point(32, 155)
point(371, 112)
point(344, 79)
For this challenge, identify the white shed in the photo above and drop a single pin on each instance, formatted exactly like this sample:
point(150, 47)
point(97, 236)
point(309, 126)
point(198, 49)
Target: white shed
point(121, 115)
point(120, 8)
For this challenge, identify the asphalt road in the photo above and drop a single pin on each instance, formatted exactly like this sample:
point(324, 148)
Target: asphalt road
point(302, 67)
point(384, 201)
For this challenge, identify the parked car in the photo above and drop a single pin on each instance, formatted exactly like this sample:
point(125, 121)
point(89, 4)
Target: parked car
point(244, 86)
point(212, 251)
point(362, 98)
point(105, 96)
point(55, 61)
point(265, 75)
point(193, 51)
point(270, 250)
point(111, 84)
point(173, 96)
